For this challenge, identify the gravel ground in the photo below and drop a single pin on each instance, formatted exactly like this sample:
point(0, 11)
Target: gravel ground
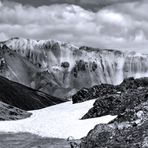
point(26, 140)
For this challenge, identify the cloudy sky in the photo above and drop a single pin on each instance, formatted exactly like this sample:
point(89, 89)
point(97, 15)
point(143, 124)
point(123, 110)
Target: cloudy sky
point(118, 24)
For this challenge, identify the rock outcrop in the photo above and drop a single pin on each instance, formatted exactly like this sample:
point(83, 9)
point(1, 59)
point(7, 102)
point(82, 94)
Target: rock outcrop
point(129, 129)
point(107, 89)
point(110, 136)
point(8, 112)
point(96, 91)
point(116, 104)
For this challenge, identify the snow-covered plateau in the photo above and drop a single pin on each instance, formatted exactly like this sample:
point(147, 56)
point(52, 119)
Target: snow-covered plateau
point(59, 121)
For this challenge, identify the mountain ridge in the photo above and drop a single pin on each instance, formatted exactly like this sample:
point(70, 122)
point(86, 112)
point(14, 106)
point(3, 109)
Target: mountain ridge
point(61, 69)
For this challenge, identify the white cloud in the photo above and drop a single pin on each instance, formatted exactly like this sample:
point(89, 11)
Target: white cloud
point(140, 36)
point(112, 17)
point(3, 36)
point(116, 26)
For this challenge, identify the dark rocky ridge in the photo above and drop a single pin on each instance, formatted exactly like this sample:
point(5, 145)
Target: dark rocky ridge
point(93, 92)
point(90, 49)
point(8, 112)
point(23, 97)
point(115, 100)
point(116, 104)
point(110, 136)
point(107, 89)
point(130, 128)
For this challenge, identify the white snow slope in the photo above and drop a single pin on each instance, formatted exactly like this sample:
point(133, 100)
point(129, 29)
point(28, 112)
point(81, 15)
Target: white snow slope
point(60, 121)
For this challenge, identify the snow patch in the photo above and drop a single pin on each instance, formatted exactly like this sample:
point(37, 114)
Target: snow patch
point(60, 121)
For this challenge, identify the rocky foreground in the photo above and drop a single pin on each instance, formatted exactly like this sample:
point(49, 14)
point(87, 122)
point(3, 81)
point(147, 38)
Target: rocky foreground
point(129, 101)
point(26, 140)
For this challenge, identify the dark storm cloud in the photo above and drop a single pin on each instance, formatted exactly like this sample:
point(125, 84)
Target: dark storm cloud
point(119, 26)
point(88, 4)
